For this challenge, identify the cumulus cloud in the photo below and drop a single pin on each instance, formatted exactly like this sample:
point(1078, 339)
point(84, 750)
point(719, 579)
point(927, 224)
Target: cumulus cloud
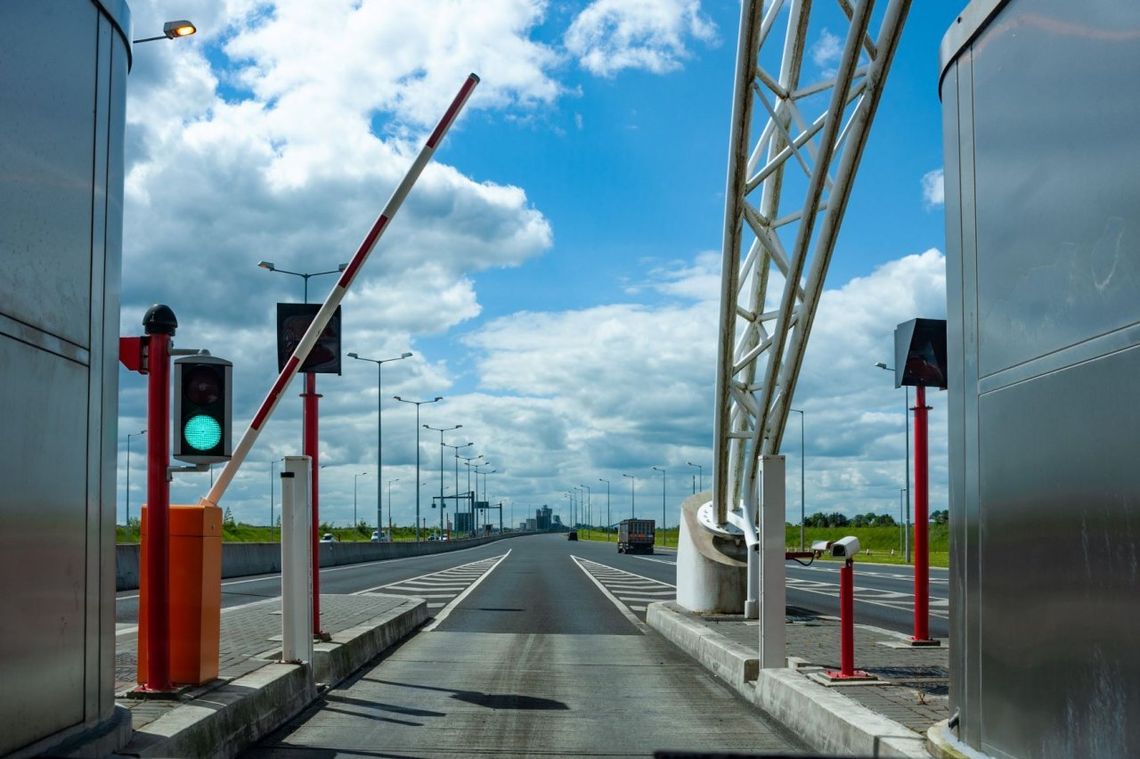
point(609, 36)
point(933, 190)
point(826, 50)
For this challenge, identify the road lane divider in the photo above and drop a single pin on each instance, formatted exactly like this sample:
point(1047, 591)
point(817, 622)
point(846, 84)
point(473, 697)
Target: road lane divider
point(627, 591)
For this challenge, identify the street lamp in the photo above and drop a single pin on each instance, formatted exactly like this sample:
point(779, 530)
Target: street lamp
point(129, 436)
point(700, 476)
point(417, 405)
point(379, 436)
point(467, 463)
point(906, 462)
point(589, 507)
point(632, 502)
point(171, 30)
point(801, 413)
point(442, 430)
point(662, 470)
point(607, 507)
point(391, 537)
point(355, 522)
point(455, 449)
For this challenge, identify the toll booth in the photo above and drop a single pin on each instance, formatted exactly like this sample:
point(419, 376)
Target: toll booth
point(1043, 337)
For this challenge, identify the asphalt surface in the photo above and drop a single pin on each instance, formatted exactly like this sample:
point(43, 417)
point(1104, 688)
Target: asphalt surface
point(536, 657)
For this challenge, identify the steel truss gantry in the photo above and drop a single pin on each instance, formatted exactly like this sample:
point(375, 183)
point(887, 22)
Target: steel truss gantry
point(820, 129)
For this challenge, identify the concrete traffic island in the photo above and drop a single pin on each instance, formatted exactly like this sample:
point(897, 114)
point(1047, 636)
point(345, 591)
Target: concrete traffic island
point(890, 718)
point(255, 693)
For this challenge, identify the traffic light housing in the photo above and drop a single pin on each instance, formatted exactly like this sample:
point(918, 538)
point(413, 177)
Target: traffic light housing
point(203, 405)
point(920, 353)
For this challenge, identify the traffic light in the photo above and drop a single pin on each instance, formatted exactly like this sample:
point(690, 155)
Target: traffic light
point(202, 409)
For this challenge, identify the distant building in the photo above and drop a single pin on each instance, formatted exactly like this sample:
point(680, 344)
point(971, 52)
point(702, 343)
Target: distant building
point(542, 517)
point(530, 524)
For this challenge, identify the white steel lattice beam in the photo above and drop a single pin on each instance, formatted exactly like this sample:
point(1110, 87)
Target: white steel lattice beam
point(778, 244)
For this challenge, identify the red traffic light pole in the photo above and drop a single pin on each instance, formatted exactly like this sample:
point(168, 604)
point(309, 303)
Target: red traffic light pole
point(921, 527)
point(150, 355)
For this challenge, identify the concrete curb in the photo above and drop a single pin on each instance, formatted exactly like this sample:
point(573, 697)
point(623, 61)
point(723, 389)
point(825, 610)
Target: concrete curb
point(353, 648)
point(944, 745)
point(828, 721)
point(223, 722)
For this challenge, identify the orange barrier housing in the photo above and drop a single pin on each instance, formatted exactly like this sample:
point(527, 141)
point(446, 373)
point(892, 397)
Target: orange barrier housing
point(195, 594)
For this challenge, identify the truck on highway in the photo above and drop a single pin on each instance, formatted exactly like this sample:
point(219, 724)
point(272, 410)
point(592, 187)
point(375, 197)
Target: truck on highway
point(635, 535)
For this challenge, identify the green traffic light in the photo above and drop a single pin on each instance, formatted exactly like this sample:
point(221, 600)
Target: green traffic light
point(202, 432)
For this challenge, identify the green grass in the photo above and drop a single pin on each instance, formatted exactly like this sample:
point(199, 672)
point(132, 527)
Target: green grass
point(248, 533)
point(877, 543)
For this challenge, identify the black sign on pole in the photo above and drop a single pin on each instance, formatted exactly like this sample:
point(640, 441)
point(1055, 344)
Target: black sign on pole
point(292, 321)
point(920, 353)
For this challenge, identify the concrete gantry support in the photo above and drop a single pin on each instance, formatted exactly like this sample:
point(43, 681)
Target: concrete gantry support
point(711, 568)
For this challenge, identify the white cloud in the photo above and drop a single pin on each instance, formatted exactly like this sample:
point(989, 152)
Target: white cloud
point(826, 51)
point(933, 188)
point(609, 36)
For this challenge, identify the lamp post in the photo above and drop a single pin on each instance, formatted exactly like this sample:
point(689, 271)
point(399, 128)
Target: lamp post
point(310, 444)
point(902, 525)
point(391, 537)
point(441, 430)
point(129, 436)
point(417, 405)
point(589, 507)
point(906, 461)
point(171, 30)
point(477, 473)
point(700, 476)
point(801, 413)
point(356, 521)
point(467, 463)
point(607, 507)
point(456, 448)
point(632, 501)
point(379, 434)
point(662, 470)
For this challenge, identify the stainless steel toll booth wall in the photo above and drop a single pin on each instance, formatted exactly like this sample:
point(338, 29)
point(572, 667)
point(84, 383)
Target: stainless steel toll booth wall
point(1041, 103)
point(63, 71)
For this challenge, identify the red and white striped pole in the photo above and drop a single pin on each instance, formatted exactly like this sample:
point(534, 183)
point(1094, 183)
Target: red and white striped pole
point(317, 326)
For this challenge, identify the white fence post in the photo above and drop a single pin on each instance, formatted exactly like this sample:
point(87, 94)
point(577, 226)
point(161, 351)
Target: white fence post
point(296, 561)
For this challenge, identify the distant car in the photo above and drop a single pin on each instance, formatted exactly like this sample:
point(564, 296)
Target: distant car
point(572, 535)
point(328, 537)
point(376, 538)
point(432, 537)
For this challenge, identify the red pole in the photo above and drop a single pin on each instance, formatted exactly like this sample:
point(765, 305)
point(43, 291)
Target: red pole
point(921, 509)
point(310, 445)
point(847, 619)
point(158, 509)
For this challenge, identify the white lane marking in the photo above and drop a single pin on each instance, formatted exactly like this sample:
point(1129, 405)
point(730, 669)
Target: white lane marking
point(423, 578)
point(895, 606)
point(629, 615)
point(459, 599)
point(659, 561)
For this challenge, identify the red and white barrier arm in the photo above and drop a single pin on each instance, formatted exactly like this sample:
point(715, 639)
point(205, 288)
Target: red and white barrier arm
point(337, 295)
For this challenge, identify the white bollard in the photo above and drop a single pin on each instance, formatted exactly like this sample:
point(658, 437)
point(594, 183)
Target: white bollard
point(773, 594)
point(296, 561)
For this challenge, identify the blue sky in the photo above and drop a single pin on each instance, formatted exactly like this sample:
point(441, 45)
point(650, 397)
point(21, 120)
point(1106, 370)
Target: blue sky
point(556, 269)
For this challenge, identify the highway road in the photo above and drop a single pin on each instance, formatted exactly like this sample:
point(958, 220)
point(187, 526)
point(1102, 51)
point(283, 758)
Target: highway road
point(883, 593)
point(537, 655)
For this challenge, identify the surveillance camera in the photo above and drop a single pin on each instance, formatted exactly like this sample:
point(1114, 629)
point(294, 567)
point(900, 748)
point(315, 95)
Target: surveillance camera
point(845, 548)
point(820, 546)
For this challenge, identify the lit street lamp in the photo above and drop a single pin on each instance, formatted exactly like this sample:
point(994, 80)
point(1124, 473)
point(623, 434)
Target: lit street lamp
point(129, 436)
point(906, 461)
point(379, 434)
point(418, 483)
point(632, 501)
point(171, 30)
point(354, 478)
